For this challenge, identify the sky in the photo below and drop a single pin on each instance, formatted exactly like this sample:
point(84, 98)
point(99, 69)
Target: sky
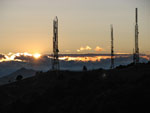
point(84, 25)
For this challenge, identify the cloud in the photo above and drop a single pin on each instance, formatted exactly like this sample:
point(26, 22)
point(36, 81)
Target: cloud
point(2, 56)
point(98, 49)
point(88, 48)
point(84, 48)
point(122, 53)
point(71, 62)
point(78, 50)
point(24, 58)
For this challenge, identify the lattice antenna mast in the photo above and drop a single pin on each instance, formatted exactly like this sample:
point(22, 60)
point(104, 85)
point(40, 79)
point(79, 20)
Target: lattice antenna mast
point(55, 61)
point(112, 48)
point(136, 54)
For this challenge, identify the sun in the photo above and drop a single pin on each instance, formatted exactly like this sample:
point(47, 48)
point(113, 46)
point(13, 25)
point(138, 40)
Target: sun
point(36, 55)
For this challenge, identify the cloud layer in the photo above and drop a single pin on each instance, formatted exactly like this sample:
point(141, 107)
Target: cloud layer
point(14, 62)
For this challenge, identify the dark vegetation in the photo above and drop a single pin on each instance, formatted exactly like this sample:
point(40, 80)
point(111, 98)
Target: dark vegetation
point(84, 68)
point(19, 77)
point(125, 89)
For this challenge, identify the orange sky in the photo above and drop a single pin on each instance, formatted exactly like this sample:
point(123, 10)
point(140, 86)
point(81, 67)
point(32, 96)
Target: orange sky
point(26, 25)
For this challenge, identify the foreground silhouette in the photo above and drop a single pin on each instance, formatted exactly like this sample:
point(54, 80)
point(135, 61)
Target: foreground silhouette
point(121, 90)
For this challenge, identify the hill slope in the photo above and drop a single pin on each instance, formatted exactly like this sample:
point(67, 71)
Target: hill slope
point(12, 77)
point(122, 90)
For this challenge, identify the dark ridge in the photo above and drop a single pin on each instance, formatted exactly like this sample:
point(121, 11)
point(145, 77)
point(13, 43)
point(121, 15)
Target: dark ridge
point(25, 73)
point(125, 89)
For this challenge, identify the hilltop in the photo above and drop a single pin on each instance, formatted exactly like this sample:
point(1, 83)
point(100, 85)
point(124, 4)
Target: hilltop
point(121, 90)
point(25, 73)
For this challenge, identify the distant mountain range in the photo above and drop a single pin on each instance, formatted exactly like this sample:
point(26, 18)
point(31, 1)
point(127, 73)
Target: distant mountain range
point(67, 62)
point(12, 77)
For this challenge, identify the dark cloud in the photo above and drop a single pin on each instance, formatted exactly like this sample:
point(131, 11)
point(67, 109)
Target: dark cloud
point(24, 58)
point(2, 56)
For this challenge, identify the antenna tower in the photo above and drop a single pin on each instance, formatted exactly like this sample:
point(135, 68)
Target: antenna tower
point(136, 53)
point(55, 60)
point(112, 48)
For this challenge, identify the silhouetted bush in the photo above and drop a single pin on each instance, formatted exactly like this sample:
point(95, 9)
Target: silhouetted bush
point(19, 77)
point(120, 67)
point(100, 69)
point(84, 68)
point(39, 73)
point(9, 81)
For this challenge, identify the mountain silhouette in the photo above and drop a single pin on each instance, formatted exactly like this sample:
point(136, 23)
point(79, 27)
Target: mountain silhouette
point(121, 90)
point(12, 77)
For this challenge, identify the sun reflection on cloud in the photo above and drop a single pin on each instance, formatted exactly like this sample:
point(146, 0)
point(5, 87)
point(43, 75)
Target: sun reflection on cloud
point(145, 57)
point(84, 58)
point(12, 56)
point(27, 57)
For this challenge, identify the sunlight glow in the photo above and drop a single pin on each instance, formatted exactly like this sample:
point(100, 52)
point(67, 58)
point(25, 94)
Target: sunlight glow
point(25, 57)
point(12, 56)
point(84, 59)
point(36, 55)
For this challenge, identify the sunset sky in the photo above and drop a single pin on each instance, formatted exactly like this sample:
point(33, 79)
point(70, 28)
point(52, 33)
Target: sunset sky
point(84, 25)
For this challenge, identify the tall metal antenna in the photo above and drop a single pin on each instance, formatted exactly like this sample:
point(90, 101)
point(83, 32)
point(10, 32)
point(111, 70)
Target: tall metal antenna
point(55, 61)
point(112, 48)
point(136, 53)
